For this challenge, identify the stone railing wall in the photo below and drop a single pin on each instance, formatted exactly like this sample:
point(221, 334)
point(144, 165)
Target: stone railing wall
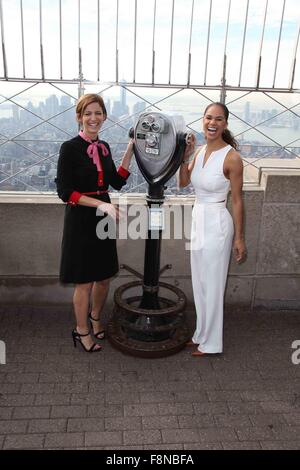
point(30, 237)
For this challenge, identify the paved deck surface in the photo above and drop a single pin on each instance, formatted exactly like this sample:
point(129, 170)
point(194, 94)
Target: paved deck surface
point(53, 396)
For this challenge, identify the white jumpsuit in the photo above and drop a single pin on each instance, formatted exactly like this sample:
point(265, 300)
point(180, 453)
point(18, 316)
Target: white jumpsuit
point(211, 243)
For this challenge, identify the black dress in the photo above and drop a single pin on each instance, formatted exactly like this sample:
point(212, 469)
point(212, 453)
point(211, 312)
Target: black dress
point(85, 257)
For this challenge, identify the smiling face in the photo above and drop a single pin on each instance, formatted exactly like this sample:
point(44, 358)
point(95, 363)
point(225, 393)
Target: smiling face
point(214, 122)
point(92, 119)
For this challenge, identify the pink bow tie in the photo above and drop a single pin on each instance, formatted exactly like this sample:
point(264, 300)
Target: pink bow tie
point(93, 153)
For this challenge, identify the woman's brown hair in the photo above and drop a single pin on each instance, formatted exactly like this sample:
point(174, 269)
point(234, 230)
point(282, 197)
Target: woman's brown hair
point(87, 99)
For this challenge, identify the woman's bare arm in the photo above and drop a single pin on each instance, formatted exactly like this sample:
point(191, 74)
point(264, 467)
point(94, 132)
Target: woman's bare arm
point(234, 171)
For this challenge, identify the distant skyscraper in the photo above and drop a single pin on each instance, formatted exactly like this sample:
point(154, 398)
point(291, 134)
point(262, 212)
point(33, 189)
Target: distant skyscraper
point(28, 117)
point(120, 107)
point(118, 110)
point(15, 112)
point(107, 105)
point(139, 107)
point(123, 93)
point(30, 106)
point(41, 109)
point(52, 105)
point(65, 101)
point(247, 115)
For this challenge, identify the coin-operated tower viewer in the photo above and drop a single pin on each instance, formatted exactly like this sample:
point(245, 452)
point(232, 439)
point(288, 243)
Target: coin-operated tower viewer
point(150, 325)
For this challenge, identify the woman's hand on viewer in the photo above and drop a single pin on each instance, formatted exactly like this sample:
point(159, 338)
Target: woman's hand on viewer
point(190, 146)
point(129, 149)
point(126, 160)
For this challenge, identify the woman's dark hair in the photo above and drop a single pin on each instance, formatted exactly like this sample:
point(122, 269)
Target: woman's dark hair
point(227, 135)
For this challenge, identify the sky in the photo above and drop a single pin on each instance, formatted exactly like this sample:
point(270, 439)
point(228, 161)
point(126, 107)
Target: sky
point(189, 34)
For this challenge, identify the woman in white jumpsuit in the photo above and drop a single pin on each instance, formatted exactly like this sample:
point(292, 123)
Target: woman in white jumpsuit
point(215, 169)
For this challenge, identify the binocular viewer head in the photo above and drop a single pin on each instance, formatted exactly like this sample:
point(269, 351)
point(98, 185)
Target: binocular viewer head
point(160, 141)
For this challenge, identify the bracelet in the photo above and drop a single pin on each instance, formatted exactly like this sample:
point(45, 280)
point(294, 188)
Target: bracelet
point(189, 159)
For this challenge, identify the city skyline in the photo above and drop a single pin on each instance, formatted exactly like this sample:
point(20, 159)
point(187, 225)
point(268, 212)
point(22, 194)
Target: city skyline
point(39, 141)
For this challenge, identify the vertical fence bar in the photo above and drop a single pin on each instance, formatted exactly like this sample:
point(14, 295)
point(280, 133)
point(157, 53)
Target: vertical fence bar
point(153, 41)
point(279, 41)
point(134, 51)
point(207, 42)
point(3, 41)
point(22, 38)
point(190, 45)
point(243, 45)
point(80, 73)
point(171, 43)
point(41, 41)
point(260, 47)
point(227, 27)
point(294, 60)
point(223, 82)
point(117, 44)
point(98, 41)
point(60, 42)
point(223, 79)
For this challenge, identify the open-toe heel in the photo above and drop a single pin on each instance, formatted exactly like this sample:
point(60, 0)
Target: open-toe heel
point(100, 334)
point(198, 353)
point(190, 344)
point(77, 337)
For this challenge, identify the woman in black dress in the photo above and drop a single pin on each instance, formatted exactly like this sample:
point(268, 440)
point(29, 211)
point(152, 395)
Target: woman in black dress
point(84, 172)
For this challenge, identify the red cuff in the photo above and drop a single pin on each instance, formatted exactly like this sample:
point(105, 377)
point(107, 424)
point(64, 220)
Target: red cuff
point(123, 172)
point(74, 198)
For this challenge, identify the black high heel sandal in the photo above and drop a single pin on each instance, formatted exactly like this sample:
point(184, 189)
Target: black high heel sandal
point(77, 337)
point(99, 334)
